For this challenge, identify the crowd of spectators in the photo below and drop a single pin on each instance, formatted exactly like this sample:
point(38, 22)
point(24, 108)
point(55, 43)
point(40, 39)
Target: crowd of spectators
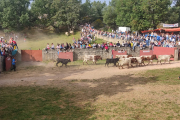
point(88, 38)
point(144, 40)
point(8, 48)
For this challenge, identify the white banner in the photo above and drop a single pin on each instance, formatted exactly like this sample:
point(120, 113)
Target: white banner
point(121, 51)
point(146, 51)
point(170, 25)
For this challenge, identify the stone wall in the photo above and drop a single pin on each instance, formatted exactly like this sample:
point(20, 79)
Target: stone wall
point(78, 54)
point(50, 55)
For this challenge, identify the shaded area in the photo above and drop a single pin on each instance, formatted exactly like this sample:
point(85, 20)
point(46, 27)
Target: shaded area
point(91, 89)
point(40, 103)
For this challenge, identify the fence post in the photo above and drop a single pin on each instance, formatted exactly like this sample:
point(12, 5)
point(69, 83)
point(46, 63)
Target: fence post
point(176, 55)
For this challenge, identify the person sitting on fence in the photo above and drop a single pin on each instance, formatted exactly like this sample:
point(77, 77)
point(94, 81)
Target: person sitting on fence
point(58, 47)
point(52, 46)
point(66, 47)
point(111, 44)
point(118, 44)
point(122, 44)
point(89, 45)
point(47, 47)
point(94, 45)
point(83, 46)
point(106, 48)
point(102, 46)
point(73, 46)
point(61, 46)
point(70, 47)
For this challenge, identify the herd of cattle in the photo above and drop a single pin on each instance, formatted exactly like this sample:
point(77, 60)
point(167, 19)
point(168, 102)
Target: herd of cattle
point(122, 60)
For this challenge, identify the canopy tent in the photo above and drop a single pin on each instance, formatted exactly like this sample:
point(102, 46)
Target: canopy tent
point(165, 30)
point(146, 31)
point(172, 30)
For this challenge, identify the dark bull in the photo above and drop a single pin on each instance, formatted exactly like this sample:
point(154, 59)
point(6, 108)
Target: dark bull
point(63, 61)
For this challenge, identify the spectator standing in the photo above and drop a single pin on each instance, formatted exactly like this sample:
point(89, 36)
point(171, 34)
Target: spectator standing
point(134, 45)
point(14, 64)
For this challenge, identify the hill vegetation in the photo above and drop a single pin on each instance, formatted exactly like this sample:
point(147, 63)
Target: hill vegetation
point(138, 14)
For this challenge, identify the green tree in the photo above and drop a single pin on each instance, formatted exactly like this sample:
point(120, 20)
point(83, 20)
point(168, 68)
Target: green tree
point(97, 9)
point(173, 15)
point(91, 11)
point(110, 16)
point(67, 13)
point(142, 14)
point(42, 12)
point(86, 12)
point(14, 14)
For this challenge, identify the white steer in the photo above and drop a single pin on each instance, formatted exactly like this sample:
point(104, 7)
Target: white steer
point(93, 58)
point(124, 61)
point(139, 60)
point(165, 58)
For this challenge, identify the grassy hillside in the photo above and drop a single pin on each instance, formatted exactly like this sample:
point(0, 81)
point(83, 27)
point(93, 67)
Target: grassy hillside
point(37, 39)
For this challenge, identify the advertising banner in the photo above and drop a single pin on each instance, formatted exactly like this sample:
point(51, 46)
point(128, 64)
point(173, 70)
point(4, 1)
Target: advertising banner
point(170, 25)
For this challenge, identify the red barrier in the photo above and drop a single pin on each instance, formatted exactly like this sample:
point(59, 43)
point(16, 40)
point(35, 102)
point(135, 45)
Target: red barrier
point(119, 53)
point(164, 51)
point(31, 55)
point(146, 52)
point(37, 55)
point(66, 55)
point(8, 63)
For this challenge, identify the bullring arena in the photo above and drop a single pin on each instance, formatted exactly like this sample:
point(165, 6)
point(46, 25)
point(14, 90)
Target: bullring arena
point(94, 91)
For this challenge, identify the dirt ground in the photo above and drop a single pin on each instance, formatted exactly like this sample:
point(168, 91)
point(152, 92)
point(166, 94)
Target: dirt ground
point(112, 91)
point(39, 73)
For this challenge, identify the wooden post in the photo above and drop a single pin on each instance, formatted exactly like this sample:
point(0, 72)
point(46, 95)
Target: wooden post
point(176, 55)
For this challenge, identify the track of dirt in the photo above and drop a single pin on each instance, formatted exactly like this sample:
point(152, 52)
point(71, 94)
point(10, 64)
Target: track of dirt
point(34, 73)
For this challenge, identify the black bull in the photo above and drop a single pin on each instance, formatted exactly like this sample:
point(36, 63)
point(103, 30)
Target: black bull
point(114, 60)
point(63, 61)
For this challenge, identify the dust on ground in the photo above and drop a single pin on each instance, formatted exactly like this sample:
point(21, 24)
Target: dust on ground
point(41, 73)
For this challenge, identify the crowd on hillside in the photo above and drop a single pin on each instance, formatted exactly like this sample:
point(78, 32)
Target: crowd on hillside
point(8, 47)
point(142, 41)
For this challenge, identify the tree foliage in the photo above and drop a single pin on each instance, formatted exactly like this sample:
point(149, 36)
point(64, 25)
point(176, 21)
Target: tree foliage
point(110, 15)
point(14, 14)
point(137, 14)
point(142, 14)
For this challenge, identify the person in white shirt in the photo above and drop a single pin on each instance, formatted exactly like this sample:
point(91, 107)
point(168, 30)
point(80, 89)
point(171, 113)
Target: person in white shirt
point(52, 46)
